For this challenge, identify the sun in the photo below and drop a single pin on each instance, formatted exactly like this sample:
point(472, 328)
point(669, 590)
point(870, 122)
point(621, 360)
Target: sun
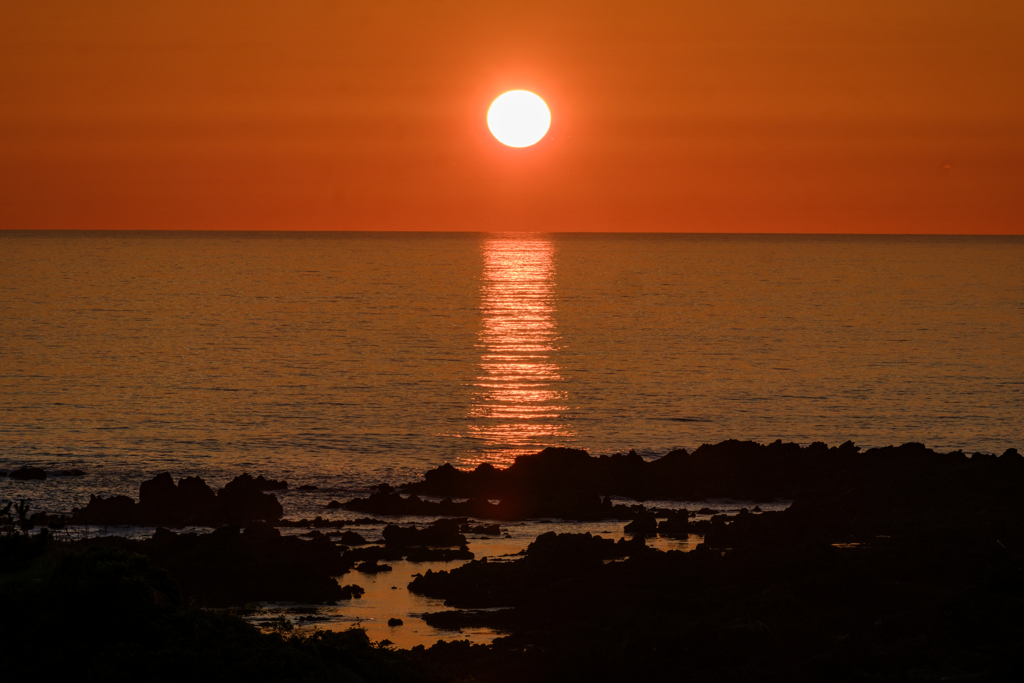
point(518, 118)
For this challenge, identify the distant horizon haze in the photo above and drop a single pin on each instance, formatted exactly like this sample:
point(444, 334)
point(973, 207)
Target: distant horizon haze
point(735, 116)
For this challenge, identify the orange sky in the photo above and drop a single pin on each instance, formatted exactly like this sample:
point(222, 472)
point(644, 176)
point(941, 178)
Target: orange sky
point(714, 116)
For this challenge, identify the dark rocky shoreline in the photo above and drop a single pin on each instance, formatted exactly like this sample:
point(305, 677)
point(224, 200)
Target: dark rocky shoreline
point(892, 564)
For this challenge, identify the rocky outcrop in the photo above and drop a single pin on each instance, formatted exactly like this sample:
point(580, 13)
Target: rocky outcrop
point(28, 474)
point(909, 565)
point(232, 566)
point(563, 505)
point(676, 523)
point(441, 533)
point(730, 469)
point(189, 502)
point(551, 558)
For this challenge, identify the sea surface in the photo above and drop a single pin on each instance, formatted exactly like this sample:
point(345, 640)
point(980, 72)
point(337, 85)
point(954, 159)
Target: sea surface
point(347, 359)
point(341, 360)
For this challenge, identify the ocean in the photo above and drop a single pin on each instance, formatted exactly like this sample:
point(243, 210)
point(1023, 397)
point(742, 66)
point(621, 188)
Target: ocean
point(347, 359)
point(341, 360)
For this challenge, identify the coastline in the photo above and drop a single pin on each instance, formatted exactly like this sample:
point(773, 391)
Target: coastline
point(893, 563)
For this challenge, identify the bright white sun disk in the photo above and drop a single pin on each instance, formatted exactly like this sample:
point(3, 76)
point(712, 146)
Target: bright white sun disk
point(518, 118)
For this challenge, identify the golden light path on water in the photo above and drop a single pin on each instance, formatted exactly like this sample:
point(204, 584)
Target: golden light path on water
point(518, 399)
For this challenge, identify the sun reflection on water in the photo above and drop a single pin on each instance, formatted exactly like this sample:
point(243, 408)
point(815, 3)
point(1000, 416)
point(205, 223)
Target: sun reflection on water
point(518, 405)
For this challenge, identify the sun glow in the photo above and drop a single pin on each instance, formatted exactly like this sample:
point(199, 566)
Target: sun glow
point(518, 118)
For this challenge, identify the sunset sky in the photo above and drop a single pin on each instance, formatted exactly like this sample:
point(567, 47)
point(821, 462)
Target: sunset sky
point(713, 116)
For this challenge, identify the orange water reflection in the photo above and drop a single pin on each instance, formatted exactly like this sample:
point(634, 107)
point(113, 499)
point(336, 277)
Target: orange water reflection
point(519, 398)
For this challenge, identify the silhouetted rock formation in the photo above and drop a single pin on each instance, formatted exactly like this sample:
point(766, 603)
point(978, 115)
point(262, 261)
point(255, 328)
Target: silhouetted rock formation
point(894, 564)
point(564, 505)
point(676, 524)
point(351, 538)
point(351, 591)
point(73, 472)
point(422, 554)
point(909, 565)
point(644, 524)
point(264, 484)
point(567, 483)
point(442, 532)
point(232, 567)
point(108, 615)
point(190, 502)
point(321, 523)
point(901, 490)
point(372, 567)
point(430, 544)
point(28, 473)
point(551, 558)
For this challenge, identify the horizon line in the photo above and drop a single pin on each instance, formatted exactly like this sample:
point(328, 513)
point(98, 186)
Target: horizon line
point(231, 231)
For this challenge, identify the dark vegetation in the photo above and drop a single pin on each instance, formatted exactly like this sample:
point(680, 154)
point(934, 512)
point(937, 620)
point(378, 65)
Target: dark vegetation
point(894, 564)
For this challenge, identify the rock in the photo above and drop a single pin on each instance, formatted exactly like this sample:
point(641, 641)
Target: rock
point(230, 566)
point(442, 532)
point(308, 487)
point(560, 482)
point(456, 620)
point(676, 524)
point(242, 499)
point(351, 591)
point(550, 559)
point(197, 500)
point(115, 510)
point(28, 474)
point(373, 568)
point(333, 505)
point(351, 538)
point(438, 554)
point(375, 553)
point(567, 505)
point(484, 530)
point(190, 502)
point(394, 621)
point(644, 524)
point(265, 484)
point(71, 473)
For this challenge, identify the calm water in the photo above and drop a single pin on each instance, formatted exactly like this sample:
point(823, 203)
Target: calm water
point(347, 359)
